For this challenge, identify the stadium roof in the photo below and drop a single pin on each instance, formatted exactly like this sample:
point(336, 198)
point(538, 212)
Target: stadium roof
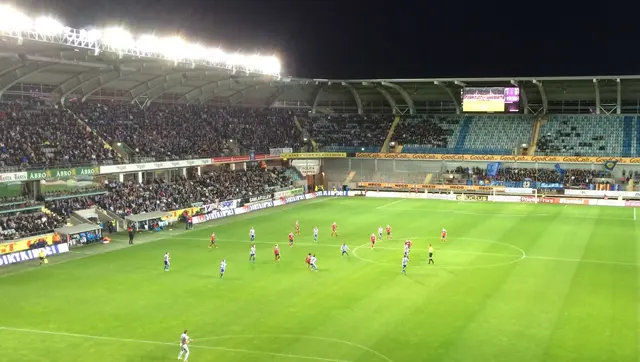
point(69, 66)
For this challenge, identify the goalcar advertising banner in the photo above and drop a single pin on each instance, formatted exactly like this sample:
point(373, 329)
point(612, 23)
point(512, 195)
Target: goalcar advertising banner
point(314, 155)
point(22, 256)
point(497, 158)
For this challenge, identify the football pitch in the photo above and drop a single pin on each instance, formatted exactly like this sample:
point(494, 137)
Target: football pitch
point(514, 282)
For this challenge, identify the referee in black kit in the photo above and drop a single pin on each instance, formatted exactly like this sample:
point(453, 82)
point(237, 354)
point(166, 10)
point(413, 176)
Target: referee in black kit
point(132, 233)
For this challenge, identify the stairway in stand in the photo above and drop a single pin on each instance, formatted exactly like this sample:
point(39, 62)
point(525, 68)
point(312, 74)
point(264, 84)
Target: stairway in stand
point(464, 132)
point(385, 146)
point(627, 135)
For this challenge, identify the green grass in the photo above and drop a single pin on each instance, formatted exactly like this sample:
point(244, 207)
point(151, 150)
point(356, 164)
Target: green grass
point(574, 297)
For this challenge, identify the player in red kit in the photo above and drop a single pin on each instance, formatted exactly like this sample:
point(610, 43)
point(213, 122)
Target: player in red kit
point(308, 261)
point(213, 241)
point(297, 228)
point(276, 252)
point(408, 243)
point(290, 240)
point(334, 229)
point(389, 232)
point(443, 236)
point(373, 240)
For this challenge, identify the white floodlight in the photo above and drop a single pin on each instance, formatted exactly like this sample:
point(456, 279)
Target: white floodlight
point(118, 38)
point(174, 47)
point(217, 56)
point(271, 65)
point(90, 35)
point(195, 51)
point(149, 43)
point(14, 20)
point(48, 25)
point(254, 62)
point(235, 59)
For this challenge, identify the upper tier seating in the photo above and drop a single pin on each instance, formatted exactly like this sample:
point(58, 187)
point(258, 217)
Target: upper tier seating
point(220, 184)
point(180, 131)
point(18, 225)
point(485, 134)
point(492, 134)
point(431, 132)
point(47, 137)
point(351, 133)
point(583, 135)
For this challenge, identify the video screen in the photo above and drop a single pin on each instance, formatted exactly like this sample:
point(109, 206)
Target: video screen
point(490, 99)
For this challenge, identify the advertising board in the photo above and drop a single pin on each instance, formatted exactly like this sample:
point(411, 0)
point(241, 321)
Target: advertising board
point(22, 256)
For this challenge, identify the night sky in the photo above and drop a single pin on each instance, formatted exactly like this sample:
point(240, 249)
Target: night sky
point(390, 39)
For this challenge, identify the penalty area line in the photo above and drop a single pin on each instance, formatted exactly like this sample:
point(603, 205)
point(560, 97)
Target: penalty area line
point(389, 204)
point(176, 344)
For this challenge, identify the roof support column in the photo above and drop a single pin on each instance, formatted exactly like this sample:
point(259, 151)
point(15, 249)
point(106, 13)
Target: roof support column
point(619, 96)
point(239, 96)
point(316, 98)
point(523, 96)
point(543, 96)
point(275, 96)
point(597, 89)
point(404, 94)
point(21, 73)
point(456, 103)
point(355, 95)
point(389, 98)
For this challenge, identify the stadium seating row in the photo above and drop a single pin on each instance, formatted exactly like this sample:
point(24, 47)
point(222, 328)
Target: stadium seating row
point(46, 137)
point(133, 198)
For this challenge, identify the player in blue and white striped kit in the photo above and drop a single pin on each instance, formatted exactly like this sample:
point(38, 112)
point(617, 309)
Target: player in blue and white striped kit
point(167, 263)
point(345, 250)
point(223, 267)
point(315, 234)
point(405, 261)
point(312, 263)
point(252, 254)
point(252, 234)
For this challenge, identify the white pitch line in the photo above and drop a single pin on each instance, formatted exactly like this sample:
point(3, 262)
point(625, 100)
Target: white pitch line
point(610, 262)
point(389, 204)
point(167, 236)
point(462, 212)
point(526, 256)
point(176, 344)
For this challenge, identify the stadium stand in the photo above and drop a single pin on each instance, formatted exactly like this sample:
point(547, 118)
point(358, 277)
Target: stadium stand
point(571, 176)
point(586, 135)
point(418, 133)
point(487, 134)
point(180, 132)
point(348, 133)
point(47, 137)
point(497, 135)
point(17, 225)
point(222, 184)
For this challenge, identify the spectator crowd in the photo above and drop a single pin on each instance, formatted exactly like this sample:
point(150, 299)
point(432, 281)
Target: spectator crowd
point(426, 131)
point(174, 132)
point(570, 177)
point(18, 225)
point(130, 197)
point(349, 131)
point(47, 137)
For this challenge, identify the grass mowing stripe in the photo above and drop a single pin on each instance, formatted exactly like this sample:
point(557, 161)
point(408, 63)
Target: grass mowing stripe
point(175, 344)
point(499, 314)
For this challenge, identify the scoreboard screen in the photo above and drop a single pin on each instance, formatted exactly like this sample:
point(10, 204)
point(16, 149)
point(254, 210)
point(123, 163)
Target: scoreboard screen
point(490, 99)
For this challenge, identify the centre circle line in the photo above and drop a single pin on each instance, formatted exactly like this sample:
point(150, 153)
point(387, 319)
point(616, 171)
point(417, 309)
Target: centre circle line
point(522, 255)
